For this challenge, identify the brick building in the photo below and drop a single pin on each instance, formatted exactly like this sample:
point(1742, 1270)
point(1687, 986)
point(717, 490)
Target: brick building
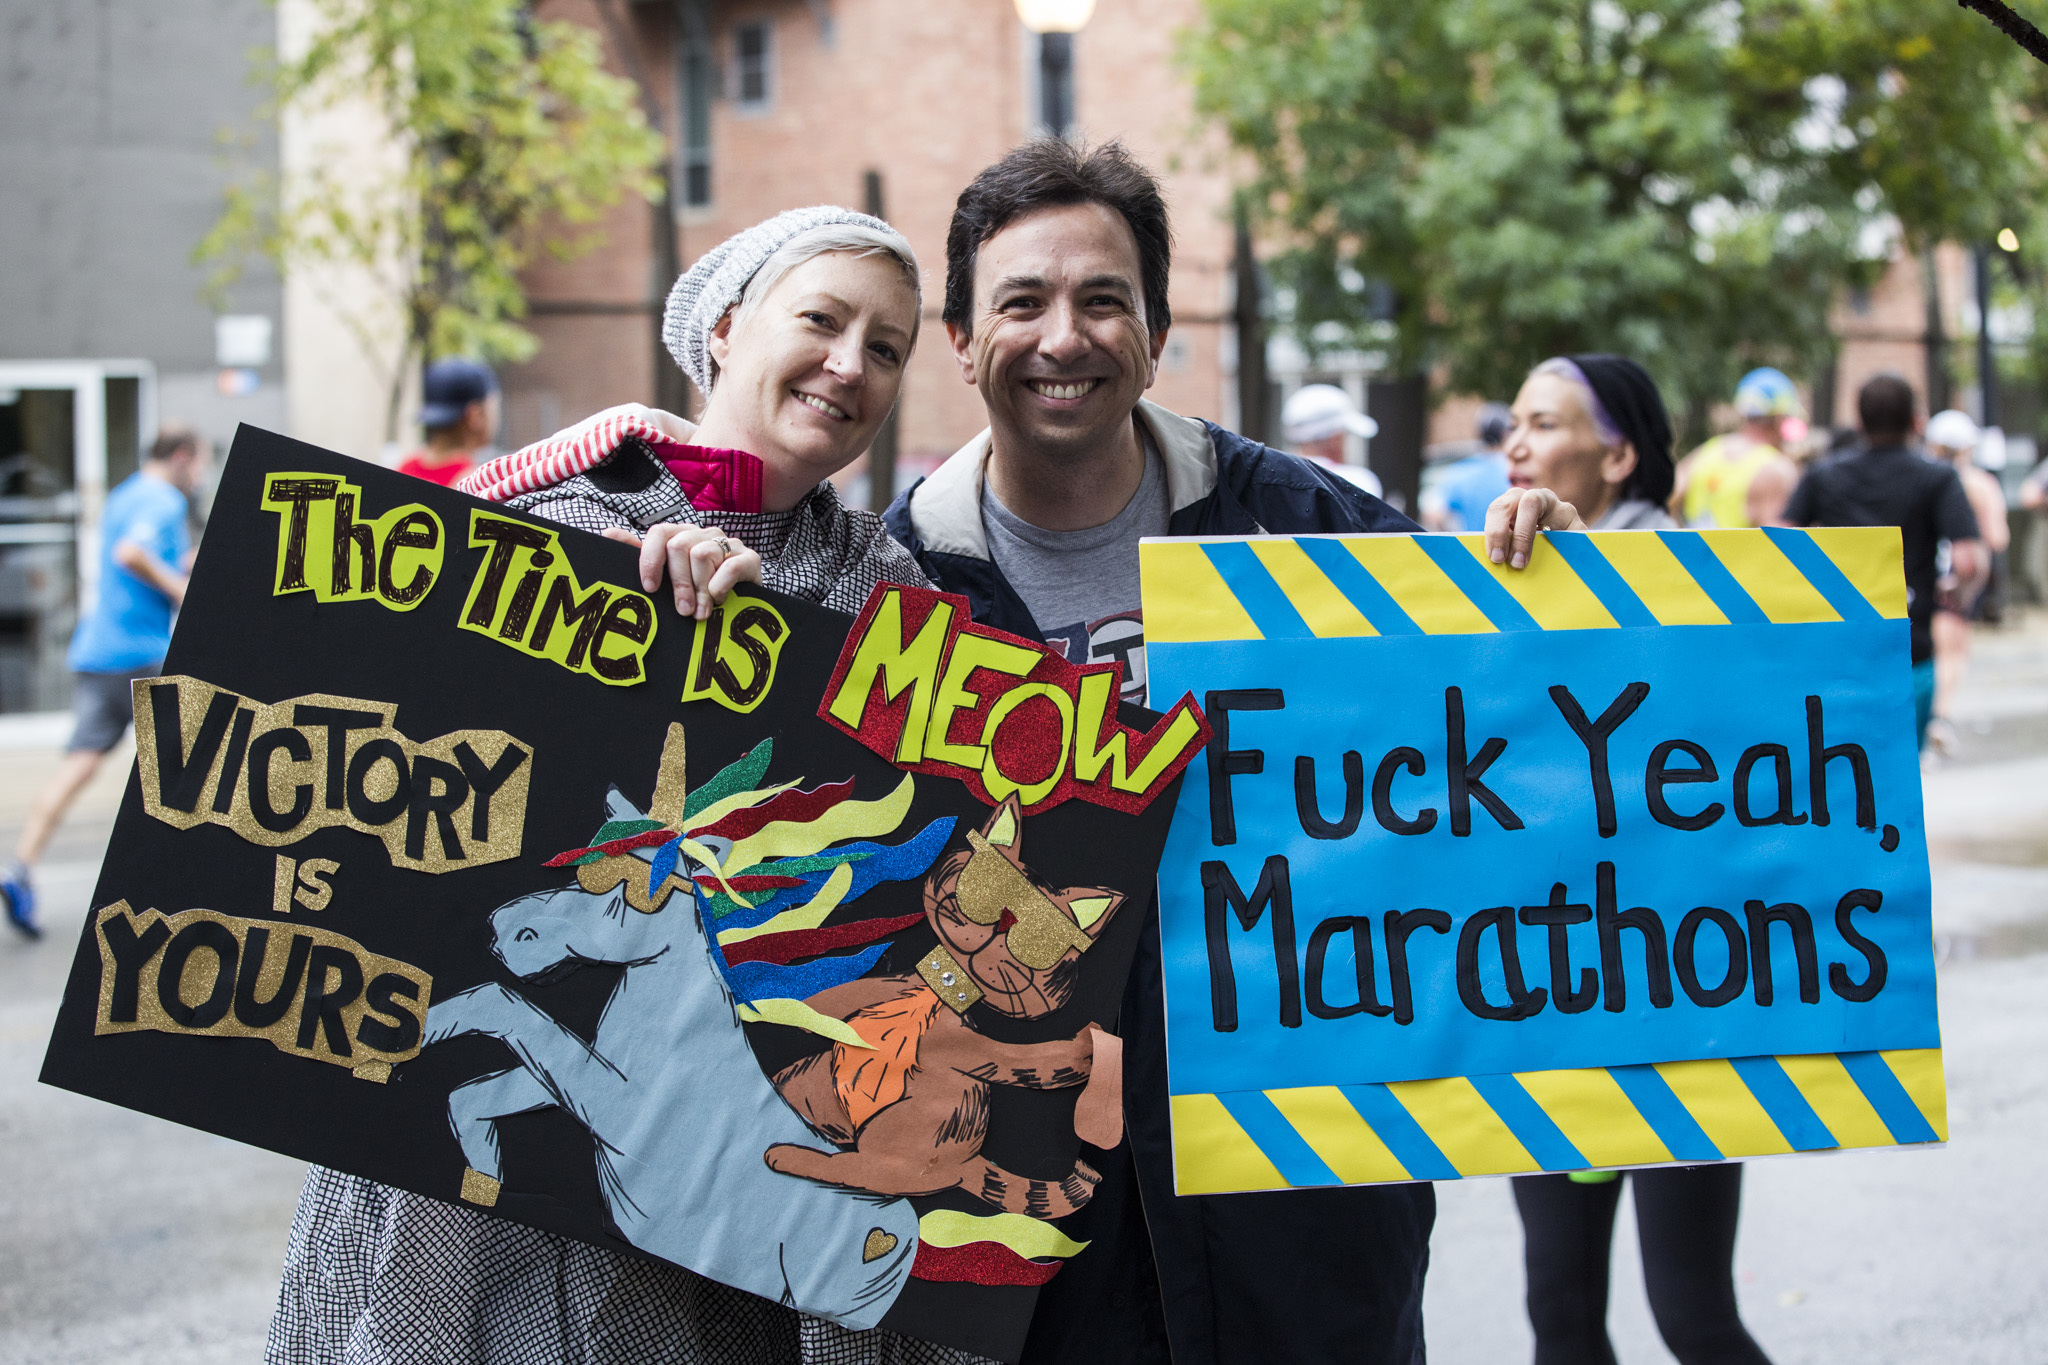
point(1889, 327)
point(793, 102)
point(772, 104)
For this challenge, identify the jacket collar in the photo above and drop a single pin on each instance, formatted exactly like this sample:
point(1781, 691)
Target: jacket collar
point(945, 508)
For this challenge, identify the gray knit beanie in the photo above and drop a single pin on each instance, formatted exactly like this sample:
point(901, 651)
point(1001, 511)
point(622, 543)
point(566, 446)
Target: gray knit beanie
point(714, 283)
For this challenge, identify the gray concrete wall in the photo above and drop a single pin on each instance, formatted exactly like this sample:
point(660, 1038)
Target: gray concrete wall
point(111, 170)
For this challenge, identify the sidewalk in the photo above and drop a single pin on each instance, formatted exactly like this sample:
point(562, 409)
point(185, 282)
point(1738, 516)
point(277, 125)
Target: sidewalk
point(122, 1238)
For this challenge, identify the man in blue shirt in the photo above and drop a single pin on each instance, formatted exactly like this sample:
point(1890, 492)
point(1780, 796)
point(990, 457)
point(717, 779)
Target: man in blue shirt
point(145, 545)
point(1461, 495)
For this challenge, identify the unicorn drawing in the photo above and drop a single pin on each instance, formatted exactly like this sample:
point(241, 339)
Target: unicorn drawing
point(675, 1102)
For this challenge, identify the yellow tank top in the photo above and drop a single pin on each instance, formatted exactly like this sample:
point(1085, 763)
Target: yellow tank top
point(1717, 492)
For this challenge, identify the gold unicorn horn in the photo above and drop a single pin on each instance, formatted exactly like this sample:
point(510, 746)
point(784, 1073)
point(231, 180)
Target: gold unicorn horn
point(669, 791)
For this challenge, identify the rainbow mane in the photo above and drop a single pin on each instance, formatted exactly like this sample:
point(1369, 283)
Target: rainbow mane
point(767, 866)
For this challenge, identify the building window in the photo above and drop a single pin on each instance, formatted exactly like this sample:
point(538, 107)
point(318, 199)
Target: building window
point(693, 148)
point(753, 52)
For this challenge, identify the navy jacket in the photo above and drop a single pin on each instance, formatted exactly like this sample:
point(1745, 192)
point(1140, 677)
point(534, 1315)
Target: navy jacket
point(1219, 483)
point(1309, 1277)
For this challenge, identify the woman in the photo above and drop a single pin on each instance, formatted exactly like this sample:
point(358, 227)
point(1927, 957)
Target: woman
point(1591, 450)
point(1593, 430)
point(798, 330)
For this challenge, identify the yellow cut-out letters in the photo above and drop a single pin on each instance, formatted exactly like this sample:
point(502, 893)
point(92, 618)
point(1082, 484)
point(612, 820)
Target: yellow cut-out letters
point(525, 595)
point(326, 546)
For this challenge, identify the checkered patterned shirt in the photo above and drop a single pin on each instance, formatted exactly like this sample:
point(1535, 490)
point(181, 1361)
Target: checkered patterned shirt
point(819, 550)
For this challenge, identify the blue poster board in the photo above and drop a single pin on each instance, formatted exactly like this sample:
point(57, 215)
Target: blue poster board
point(1614, 860)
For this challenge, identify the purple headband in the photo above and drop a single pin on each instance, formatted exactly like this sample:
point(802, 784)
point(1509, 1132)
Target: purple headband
point(1609, 433)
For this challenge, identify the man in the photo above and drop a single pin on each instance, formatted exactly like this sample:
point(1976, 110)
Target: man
point(143, 561)
point(459, 409)
point(1743, 478)
point(1886, 483)
point(1459, 497)
point(1056, 304)
point(1318, 420)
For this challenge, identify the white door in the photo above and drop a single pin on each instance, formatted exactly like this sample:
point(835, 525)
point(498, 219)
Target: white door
point(68, 429)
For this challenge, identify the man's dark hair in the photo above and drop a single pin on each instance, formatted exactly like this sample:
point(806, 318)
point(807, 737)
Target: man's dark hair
point(1050, 172)
point(172, 439)
point(1885, 406)
point(1496, 420)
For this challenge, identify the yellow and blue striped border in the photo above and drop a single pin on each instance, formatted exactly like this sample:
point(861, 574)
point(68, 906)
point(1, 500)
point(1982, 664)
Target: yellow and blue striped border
point(1556, 1120)
point(1328, 587)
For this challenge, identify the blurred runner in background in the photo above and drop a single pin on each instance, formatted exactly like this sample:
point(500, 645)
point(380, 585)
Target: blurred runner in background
point(1953, 438)
point(1457, 498)
point(145, 553)
point(459, 408)
point(1744, 477)
point(1887, 483)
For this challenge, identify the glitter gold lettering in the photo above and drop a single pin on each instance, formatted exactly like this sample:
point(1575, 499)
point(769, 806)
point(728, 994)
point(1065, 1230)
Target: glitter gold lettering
point(302, 989)
point(318, 761)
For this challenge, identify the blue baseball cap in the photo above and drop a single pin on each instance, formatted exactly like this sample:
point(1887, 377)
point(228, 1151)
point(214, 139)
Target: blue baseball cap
point(450, 387)
point(1767, 393)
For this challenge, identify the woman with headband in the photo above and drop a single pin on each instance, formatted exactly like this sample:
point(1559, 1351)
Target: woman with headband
point(798, 331)
point(1591, 450)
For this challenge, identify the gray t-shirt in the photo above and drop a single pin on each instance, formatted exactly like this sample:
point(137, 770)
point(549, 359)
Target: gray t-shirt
point(1636, 514)
point(1081, 587)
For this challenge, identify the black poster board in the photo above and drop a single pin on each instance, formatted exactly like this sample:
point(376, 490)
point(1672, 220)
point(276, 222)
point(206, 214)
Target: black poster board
point(453, 861)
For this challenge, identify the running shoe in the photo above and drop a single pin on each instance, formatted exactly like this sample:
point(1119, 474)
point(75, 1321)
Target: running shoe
point(21, 905)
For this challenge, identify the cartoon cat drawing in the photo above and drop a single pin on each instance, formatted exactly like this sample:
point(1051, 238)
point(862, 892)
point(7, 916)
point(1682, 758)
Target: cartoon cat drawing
point(914, 1107)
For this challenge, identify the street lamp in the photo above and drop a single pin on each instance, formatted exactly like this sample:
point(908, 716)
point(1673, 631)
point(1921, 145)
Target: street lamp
point(1055, 22)
point(1055, 16)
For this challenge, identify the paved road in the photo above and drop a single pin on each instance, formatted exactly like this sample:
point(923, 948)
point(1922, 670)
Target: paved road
point(127, 1239)
point(122, 1238)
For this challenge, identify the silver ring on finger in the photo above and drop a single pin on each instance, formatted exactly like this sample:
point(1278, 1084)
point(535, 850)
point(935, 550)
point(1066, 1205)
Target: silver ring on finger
point(724, 548)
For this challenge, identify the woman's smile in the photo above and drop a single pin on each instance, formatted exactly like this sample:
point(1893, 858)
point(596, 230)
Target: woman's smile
point(822, 405)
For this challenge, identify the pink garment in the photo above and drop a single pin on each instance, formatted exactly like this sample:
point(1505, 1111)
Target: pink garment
point(714, 480)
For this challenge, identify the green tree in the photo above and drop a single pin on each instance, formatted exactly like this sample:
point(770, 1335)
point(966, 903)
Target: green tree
point(1942, 121)
point(511, 135)
point(1477, 184)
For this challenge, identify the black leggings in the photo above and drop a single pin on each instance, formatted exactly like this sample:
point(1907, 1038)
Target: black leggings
point(1685, 1216)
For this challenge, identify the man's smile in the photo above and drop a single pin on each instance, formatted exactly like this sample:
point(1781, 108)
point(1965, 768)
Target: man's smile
point(1062, 389)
